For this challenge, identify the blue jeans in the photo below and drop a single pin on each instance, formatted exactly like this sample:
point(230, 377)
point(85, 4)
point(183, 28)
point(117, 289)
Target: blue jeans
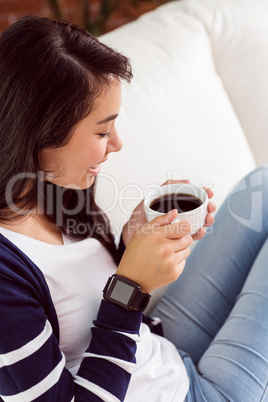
point(216, 313)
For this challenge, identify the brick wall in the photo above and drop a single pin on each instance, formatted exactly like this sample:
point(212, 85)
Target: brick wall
point(11, 10)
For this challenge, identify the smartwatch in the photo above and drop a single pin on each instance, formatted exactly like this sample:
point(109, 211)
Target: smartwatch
point(125, 293)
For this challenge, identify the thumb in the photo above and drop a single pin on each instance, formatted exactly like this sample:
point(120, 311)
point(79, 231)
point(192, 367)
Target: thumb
point(165, 219)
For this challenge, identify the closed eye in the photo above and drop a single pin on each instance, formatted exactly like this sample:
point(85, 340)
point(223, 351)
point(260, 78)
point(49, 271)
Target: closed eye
point(104, 135)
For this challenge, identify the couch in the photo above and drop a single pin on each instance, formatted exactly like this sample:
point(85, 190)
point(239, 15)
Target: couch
point(196, 108)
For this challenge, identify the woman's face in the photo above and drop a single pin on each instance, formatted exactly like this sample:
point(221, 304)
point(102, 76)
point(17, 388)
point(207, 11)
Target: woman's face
point(76, 164)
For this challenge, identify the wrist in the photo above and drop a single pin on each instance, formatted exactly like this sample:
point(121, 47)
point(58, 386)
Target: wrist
point(113, 317)
point(125, 293)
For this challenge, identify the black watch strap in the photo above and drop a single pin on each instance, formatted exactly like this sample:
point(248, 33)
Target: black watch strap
point(125, 293)
point(140, 301)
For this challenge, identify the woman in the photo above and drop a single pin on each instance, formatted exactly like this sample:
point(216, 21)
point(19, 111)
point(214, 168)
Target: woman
point(60, 94)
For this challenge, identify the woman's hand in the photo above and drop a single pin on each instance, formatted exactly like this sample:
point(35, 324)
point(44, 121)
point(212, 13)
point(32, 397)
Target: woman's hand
point(156, 253)
point(209, 218)
point(138, 217)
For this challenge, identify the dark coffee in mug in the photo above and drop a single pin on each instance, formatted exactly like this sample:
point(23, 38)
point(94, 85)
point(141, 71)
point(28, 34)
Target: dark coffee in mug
point(182, 202)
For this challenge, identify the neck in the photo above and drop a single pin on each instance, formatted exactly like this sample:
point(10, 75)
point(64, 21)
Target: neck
point(37, 227)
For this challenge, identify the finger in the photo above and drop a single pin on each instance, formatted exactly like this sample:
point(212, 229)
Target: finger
point(175, 182)
point(209, 192)
point(180, 244)
point(209, 220)
point(177, 267)
point(212, 207)
point(163, 220)
point(180, 268)
point(177, 230)
point(182, 255)
point(199, 235)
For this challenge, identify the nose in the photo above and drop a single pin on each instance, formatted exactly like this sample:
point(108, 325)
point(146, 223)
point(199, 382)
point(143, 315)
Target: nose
point(114, 143)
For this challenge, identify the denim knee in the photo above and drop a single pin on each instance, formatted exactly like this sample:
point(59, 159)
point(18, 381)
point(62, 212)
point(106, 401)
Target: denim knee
point(248, 200)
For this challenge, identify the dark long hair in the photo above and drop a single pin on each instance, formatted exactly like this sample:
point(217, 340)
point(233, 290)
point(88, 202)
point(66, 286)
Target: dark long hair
point(50, 75)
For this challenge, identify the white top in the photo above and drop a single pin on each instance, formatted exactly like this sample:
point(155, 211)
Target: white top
point(76, 273)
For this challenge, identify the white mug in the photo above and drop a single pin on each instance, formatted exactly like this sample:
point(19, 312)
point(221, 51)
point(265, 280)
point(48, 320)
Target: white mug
point(196, 217)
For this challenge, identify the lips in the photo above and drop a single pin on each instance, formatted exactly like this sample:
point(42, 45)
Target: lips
point(94, 170)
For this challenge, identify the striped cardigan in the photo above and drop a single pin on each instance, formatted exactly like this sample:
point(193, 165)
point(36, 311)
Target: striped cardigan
point(32, 366)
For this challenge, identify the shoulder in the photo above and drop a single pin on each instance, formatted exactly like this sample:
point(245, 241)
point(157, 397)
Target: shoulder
point(17, 271)
point(13, 261)
point(22, 282)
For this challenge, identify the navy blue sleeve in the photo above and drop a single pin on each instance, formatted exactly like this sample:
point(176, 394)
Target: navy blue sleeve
point(32, 366)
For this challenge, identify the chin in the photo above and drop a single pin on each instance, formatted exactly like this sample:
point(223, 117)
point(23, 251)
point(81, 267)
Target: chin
point(83, 185)
point(88, 183)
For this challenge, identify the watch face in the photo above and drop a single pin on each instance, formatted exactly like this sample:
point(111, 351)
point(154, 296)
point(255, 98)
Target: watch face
point(125, 293)
point(122, 292)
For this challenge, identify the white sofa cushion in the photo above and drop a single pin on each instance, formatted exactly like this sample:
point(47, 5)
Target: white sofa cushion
point(177, 120)
point(238, 31)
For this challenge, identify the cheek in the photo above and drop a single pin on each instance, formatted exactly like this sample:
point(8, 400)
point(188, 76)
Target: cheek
point(49, 161)
point(96, 151)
